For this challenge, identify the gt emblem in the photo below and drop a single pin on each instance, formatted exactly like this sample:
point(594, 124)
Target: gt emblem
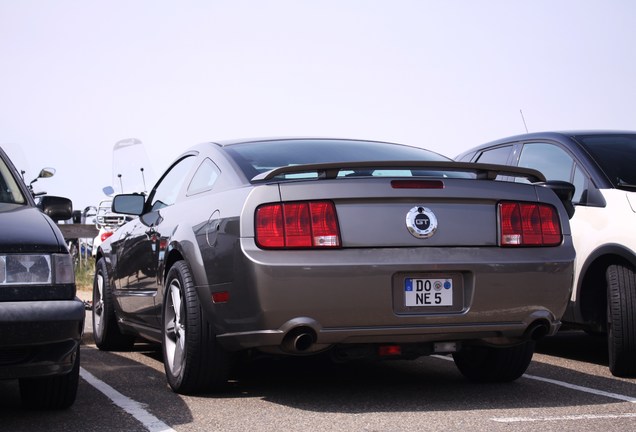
point(421, 222)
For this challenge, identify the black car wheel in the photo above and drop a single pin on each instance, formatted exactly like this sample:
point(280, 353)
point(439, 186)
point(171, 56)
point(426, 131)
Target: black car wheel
point(51, 392)
point(106, 332)
point(491, 364)
point(621, 320)
point(193, 359)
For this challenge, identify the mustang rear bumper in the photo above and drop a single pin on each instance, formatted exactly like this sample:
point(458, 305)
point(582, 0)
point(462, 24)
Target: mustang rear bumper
point(352, 297)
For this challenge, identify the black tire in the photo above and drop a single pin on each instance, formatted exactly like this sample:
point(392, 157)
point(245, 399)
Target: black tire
point(193, 359)
point(106, 332)
point(490, 364)
point(51, 392)
point(621, 320)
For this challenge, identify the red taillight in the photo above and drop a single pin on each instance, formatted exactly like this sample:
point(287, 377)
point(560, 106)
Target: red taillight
point(270, 232)
point(529, 224)
point(310, 224)
point(105, 235)
point(297, 225)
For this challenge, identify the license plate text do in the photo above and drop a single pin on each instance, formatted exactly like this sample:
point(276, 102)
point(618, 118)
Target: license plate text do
point(428, 292)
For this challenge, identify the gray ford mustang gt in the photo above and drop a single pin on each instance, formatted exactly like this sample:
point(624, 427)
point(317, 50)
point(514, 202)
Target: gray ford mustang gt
point(359, 249)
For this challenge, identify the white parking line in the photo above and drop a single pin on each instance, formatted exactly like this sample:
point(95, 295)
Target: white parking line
point(572, 387)
point(583, 389)
point(560, 418)
point(571, 417)
point(150, 422)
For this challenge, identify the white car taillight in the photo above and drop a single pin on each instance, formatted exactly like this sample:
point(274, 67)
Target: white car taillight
point(105, 235)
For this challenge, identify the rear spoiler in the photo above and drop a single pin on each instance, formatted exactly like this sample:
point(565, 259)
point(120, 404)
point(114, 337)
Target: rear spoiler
point(331, 170)
point(563, 190)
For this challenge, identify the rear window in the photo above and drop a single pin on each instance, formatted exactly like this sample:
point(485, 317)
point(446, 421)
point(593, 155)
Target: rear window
point(257, 157)
point(616, 156)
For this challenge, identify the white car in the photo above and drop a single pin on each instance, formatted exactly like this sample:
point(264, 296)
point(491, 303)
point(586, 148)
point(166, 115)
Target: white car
point(602, 166)
point(106, 221)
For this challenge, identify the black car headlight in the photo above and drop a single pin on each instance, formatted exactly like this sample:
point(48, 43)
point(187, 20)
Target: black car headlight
point(36, 269)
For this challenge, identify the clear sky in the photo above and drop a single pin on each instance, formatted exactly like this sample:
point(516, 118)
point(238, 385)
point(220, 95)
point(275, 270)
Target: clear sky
point(78, 76)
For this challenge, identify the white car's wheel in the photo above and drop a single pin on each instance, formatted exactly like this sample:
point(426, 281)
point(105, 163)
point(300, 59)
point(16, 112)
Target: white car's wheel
point(193, 359)
point(621, 320)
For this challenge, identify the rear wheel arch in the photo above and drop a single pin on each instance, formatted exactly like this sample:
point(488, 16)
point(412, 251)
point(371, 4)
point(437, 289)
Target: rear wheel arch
point(199, 276)
point(177, 252)
point(173, 256)
point(591, 294)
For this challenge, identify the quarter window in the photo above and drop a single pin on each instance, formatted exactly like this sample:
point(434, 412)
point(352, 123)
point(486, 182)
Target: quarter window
point(204, 178)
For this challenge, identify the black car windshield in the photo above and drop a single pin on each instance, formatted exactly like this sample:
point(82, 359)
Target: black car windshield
point(616, 156)
point(9, 190)
point(258, 157)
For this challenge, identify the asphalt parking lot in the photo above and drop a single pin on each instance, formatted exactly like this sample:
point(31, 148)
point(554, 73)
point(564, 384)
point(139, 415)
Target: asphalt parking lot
point(567, 387)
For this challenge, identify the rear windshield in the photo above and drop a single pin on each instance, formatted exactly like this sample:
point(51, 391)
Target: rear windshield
point(258, 157)
point(616, 156)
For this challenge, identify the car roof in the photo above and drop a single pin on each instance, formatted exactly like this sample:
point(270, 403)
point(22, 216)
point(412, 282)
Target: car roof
point(566, 138)
point(552, 134)
point(229, 142)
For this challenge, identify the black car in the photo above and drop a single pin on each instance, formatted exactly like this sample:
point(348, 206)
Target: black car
point(602, 166)
point(41, 319)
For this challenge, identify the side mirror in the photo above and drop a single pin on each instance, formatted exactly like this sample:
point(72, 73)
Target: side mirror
point(132, 204)
point(46, 173)
point(57, 208)
point(564, 190)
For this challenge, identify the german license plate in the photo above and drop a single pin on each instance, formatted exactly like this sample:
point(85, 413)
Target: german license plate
point(428, 292)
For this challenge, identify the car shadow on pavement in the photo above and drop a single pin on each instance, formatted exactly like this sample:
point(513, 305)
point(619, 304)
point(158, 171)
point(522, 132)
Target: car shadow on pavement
point(576, 345)
point(426, 384)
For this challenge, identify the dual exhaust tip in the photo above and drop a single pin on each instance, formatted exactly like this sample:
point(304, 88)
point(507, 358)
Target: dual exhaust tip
point(537, 330)
point(301, 339)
